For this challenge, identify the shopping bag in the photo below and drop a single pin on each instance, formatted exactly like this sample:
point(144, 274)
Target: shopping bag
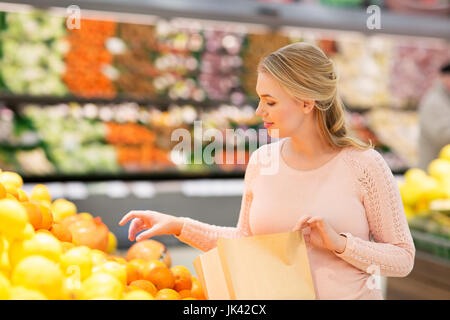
point(272, 266)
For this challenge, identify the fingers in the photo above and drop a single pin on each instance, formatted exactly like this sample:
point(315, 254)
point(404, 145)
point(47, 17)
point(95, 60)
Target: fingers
point(307, 238)
point(316, 220)
point(136, 226)
point(302, 223)
point(142, 214)
point(154, 231)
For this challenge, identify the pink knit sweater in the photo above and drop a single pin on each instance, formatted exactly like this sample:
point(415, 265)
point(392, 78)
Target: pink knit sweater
point(355, 192)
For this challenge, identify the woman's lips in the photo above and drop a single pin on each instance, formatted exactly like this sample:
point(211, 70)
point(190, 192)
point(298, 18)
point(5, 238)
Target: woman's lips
point(268, 124)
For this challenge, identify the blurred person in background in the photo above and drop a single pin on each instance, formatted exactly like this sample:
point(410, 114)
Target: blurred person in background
point(434, 119)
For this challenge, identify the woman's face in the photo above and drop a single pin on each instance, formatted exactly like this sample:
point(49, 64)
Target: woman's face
point(278, 109)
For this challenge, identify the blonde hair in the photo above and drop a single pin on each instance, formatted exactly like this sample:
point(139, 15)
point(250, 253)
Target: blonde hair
point(304, 71)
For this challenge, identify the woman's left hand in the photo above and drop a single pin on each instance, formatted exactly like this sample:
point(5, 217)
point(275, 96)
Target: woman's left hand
point(322, 235)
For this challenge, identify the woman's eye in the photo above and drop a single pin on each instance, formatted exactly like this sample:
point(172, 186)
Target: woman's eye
point(271, 103)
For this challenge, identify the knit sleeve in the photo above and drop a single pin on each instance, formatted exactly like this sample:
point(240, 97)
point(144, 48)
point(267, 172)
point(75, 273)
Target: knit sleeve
point(392, 252)
point(204, 236)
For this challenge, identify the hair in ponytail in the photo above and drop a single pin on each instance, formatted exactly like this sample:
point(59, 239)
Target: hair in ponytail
point(306, 72)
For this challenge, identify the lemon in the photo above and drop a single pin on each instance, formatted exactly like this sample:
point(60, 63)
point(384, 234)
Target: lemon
point(28, 232)
point(113, 268)
point(42, 244)
point(39, 273)
point(101, 286)
point(5, 267)
point(445, 153)
point(410, 193)
point(86, 215)
point(40, 192)
point(79, 257)
point(137, 295)
point(62, 208)
point(22, 196)
point(98, 257)
point(13, 218)
point(8, 177)
point(112, 243)
point(414, 175)
point(432, 189)
point(21, 293)
point(71, 288)
point(5, 288)
point(439, 169)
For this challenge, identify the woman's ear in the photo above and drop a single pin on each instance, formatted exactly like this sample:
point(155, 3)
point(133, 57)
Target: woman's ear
point(308, 105)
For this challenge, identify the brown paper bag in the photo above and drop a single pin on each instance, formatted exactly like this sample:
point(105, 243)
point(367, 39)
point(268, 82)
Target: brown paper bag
point(273, 266)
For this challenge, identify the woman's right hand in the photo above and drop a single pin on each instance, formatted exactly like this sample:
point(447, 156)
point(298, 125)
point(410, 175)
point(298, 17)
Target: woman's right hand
point(156, 224)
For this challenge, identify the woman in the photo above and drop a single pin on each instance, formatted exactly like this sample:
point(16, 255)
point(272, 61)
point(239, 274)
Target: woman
point(335, 189)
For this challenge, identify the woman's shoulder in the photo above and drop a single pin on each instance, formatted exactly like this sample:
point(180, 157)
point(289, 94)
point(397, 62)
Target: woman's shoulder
point(365, 161)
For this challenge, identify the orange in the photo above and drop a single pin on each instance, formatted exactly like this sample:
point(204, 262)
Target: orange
point(2, 191)
point(139, 265)
point(183, 279)
point(144, 285)
point(185, 294)
point(167, 294)
point(132, 272)
point(159, 275)
point(47, 216)
point(197, 290)
point(149, 250)
point(22, 195)
point(34, 214)
point(40, 192)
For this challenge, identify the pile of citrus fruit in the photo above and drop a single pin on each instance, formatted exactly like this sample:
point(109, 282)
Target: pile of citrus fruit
point(419, 188)
point(50, 251)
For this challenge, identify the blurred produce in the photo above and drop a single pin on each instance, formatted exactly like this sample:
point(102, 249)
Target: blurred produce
point(134, 61)
point(32, 46)
point(88, 60)
point(415, 65)
point(258, 46)
point(435, 7)
point(69, 262)
point(221, 66)
point(419, 189)
point(397, 129)
point(363, 65)
point(176, 62)
point(74, 144)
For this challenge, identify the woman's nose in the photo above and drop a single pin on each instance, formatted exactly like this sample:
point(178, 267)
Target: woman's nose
point(259, 111)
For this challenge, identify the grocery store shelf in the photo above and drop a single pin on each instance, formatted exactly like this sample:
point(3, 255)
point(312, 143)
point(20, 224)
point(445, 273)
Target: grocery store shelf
point(155, 176)
point(14, 100)
point(272, 15)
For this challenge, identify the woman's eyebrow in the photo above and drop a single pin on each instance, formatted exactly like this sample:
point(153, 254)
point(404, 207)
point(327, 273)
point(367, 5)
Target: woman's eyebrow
point(266, 95)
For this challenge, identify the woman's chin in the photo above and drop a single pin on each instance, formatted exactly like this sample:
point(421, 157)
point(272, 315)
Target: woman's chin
point(274, 133)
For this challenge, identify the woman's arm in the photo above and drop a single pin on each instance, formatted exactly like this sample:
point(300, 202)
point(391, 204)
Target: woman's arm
point(204, 236)
point(393, 251)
